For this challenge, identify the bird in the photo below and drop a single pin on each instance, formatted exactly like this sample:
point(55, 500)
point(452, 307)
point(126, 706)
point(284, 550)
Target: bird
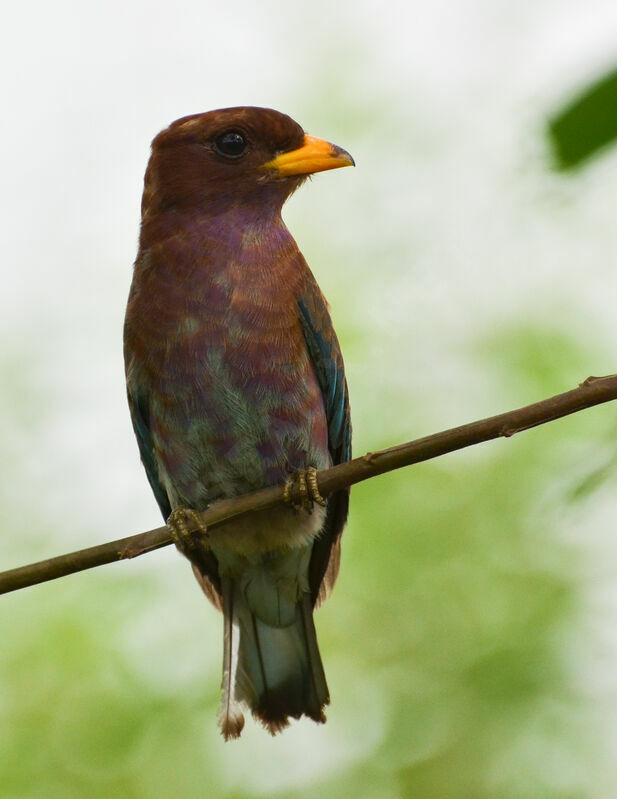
point(235, 382)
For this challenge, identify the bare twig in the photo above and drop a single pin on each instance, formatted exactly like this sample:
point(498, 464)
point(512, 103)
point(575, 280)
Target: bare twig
point(593, 391)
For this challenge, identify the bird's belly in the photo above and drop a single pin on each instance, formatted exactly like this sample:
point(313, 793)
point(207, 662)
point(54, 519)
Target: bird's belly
point(232, 430)
point(276, 528)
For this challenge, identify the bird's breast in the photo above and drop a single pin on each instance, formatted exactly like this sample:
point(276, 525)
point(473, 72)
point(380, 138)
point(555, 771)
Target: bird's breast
point(234, 402)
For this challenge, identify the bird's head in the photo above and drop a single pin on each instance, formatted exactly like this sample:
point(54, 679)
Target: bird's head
point(232, 156)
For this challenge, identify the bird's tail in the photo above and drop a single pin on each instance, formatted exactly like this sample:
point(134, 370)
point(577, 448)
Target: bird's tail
point(271, 661)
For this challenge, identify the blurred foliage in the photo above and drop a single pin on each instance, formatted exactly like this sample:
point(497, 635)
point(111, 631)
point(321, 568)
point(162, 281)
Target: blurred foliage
point(587, 124)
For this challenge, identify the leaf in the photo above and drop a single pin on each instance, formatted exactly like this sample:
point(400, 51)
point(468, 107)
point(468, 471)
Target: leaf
point(586, 125)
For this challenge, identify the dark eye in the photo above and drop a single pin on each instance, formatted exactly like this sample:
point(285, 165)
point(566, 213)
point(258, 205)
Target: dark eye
point(231, 144)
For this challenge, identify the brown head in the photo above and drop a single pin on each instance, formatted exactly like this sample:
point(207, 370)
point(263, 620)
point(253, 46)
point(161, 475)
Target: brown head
point(210, 161)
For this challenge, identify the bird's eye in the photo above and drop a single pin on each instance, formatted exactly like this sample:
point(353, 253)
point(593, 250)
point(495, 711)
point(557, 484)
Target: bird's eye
point(230, 144)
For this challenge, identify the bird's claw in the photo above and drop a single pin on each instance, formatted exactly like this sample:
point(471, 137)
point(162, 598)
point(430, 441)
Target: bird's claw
point(187, 541)
point(307, 487)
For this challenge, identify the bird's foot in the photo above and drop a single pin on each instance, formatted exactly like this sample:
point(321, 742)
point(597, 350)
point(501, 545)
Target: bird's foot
point(187, 541)
point(304, 483)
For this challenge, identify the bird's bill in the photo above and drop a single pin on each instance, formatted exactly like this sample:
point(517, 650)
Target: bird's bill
point(315, 155)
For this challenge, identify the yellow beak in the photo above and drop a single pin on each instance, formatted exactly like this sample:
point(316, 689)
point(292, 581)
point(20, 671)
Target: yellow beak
point(315, 155)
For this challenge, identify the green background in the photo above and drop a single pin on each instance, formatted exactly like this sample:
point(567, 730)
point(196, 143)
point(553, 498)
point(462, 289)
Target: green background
point(470, 643)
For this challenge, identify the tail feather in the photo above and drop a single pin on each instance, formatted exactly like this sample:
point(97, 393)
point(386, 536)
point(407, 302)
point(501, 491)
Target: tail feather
point(316, 670)
point(276, 671)
point(231, 720)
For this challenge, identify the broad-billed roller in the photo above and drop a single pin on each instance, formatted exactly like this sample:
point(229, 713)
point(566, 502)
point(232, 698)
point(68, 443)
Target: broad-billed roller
point(235, 382)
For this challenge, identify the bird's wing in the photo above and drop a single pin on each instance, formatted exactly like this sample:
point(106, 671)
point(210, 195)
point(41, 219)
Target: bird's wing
point(325, 355)
point(205, 565)
point(138, 406)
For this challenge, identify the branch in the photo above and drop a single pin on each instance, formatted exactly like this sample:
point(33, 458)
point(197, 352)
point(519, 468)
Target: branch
point(593, 391)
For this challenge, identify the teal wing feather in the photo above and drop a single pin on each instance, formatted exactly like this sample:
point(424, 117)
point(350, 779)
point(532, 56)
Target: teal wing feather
point(138, 406)
point(205, 562)
point(325, 355)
